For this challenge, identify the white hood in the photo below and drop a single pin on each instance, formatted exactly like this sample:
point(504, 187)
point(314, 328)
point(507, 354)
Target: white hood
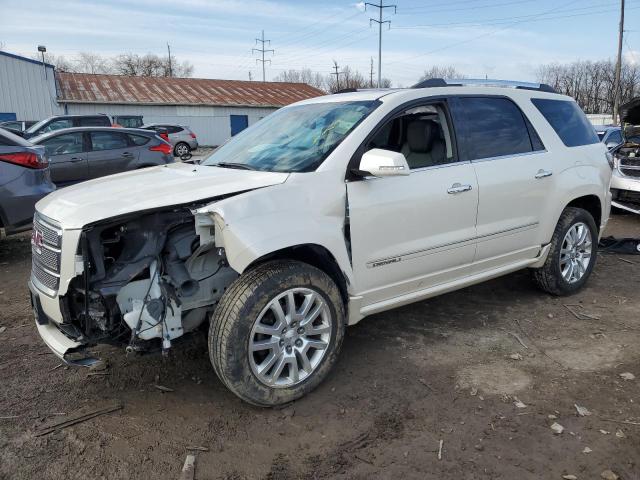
point(149, 188)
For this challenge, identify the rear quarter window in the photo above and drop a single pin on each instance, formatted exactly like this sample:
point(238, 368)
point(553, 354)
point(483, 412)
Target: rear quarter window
point(568, 121)
point(138, 139)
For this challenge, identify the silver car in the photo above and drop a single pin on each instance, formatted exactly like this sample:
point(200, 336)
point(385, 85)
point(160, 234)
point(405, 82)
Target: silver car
point(181, 137)
point(79, 154)
point(24, 179)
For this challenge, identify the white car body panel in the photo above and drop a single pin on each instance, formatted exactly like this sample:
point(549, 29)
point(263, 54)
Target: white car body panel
point(409, 238)
point(145, 189)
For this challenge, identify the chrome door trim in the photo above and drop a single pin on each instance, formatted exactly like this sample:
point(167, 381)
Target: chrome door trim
point(448, 246)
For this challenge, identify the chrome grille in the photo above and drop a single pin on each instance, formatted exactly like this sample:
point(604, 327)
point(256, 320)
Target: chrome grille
point(630, 172)
point(630, 166)
point(46, 243)
point(50, 234)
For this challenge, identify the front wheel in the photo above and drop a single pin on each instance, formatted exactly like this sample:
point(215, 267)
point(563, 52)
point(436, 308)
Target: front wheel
point(277, 332)
point(572, 255)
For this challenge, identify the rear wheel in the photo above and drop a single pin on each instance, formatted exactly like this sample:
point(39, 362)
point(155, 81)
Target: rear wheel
point(277, 332)
point(573, 252)
point(181, 149)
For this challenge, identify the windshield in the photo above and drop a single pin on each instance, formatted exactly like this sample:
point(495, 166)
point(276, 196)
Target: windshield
point(293, 139)
point(35, 127)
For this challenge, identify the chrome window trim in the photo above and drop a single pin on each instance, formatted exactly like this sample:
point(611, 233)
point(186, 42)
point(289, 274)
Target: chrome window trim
point(512, 155)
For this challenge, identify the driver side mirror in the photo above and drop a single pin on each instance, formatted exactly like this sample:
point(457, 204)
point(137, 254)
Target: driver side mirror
point(383, 163)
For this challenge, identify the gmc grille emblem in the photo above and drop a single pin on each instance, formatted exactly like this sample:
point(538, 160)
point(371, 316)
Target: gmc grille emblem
point(37, 240)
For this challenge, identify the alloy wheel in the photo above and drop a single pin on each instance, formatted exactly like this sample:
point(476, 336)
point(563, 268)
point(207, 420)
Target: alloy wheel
point(575, 254)
point(182, 149)
point(290, 338)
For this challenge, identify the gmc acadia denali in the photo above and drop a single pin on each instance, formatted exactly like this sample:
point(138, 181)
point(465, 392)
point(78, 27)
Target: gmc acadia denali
point(323, 213)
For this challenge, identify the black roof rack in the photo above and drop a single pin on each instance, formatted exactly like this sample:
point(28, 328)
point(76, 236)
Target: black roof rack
point(441, 82)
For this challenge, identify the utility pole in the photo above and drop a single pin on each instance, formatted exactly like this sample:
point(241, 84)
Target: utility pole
point(371, 74)
point(262, 51)
point(170, 66)
point(380, 6)
point(616, 85)
point(250, 76)
point(337, 74)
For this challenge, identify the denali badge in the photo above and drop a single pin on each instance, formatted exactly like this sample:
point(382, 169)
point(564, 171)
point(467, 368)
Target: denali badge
point(384, 262)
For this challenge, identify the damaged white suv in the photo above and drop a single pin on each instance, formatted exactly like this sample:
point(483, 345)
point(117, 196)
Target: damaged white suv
point(324, 212)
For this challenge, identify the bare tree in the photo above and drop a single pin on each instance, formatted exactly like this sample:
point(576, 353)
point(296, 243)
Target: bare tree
point(442, 71)
point(88, 62)
point(59, 61)
point(150, 65)
point(592, 83)
point(306, 75)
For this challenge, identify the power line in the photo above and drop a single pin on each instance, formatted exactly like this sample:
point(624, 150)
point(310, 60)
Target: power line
point(337, 74)
point(616, 87)
point(380, 6)
point(169, 52)
point(486, 34)
point(371, 74)
point(262, 50)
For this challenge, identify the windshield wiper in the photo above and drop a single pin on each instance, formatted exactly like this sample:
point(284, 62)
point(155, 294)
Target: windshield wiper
point(239, 166)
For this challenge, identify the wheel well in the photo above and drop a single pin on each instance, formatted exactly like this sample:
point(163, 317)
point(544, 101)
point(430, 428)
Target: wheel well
point(314, 255)
point(591, 204)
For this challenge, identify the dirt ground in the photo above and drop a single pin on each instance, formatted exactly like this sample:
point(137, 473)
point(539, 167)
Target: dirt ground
point(447, 370)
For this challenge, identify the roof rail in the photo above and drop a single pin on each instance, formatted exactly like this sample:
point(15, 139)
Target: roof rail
point(441, 82)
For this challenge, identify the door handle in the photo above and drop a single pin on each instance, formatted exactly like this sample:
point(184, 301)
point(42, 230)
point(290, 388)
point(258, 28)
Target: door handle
point(458, 188)
point(75, 159)
point(543, 174)
point(127, 155)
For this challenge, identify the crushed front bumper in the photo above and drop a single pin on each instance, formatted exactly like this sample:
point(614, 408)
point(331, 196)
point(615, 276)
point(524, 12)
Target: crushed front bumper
point(625, 192)
point(65, 348)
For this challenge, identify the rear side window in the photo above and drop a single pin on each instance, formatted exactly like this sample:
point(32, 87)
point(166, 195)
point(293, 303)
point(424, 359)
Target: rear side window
point(493, 127)
point(138, 139)
point(94, 122)
point(568, 121)
point(108, 141)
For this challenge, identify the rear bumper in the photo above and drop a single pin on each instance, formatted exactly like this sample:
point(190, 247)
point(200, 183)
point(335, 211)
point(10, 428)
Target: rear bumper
point(19, 196)
point(65, 348)
point(193, 144)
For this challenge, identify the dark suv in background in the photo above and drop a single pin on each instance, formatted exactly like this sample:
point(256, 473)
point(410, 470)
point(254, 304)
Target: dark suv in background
point(58, 122)
point(24, 179)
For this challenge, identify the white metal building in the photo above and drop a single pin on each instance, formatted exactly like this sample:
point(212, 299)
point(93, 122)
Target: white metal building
point(27, 89)
point(213, 109)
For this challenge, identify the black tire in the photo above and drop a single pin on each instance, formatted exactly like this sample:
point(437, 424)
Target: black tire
point(240, 307)
point(549, 277)
point(181, 144)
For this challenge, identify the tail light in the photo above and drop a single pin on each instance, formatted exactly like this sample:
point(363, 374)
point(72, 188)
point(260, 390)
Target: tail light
point(25, 159)
point(164, 136)
point(163, 147)
point(193, 135)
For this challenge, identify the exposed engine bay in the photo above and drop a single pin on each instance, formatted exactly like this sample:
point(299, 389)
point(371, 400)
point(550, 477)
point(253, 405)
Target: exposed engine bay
point(146, 277)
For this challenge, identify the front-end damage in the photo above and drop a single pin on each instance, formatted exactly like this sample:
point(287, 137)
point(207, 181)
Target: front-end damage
point(145, 280)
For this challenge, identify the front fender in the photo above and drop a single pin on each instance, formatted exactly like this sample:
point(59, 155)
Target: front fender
point(263, 221)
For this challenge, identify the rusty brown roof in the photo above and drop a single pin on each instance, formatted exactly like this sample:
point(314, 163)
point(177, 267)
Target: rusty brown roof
point(118, 89)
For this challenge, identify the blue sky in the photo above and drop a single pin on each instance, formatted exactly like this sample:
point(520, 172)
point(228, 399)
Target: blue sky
point(496, 38)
